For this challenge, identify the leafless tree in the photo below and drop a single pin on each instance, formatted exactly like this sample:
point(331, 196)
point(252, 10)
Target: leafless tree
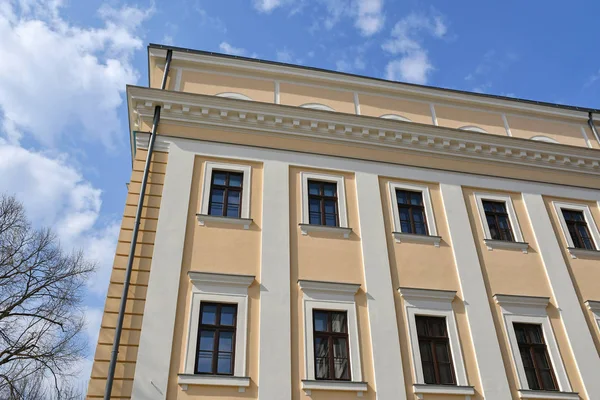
point(41, 314)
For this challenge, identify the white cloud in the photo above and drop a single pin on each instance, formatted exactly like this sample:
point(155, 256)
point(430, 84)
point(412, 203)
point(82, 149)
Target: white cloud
point(369, 16)
point(55, 75)
point(413, 68)
point(229, 49)
point(285, 56)
point(492, 65)
point(209, 21)
point(267, 6)
point(406, 40)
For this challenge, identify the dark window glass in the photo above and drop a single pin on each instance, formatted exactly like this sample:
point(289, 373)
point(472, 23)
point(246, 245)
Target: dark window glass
point(322, 203)
point(330, 331)
point(434, 347)
point(497, 220)
point(216, 339)
point(578, 230)
point(534, 354)
point(226, 194)
point(411, 212)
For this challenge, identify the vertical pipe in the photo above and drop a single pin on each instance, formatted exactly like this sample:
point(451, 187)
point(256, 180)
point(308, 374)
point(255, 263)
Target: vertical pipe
point(136, 226)
point(593, 127)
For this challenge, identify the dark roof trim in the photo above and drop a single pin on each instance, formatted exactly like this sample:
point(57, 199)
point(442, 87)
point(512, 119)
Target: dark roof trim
point(463, 92)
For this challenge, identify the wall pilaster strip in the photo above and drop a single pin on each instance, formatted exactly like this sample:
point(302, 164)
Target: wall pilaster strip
point(387, 362)
point(567, 302)
point(156, 339)
point(494, 382)
point(275, 354)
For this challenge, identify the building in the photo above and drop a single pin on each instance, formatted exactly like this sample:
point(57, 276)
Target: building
point(379, 239)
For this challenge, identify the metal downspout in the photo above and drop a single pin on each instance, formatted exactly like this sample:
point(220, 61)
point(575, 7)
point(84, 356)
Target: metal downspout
point(136, 226)
point(593, 127)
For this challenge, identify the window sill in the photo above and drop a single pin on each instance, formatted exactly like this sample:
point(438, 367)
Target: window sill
point(241, 382)
point(203, 219)
point(505, 244)
point(583, 253)
point(414, 238)
point(548, 395)
point(334, 230)
point(421, 389)
point(345, 386)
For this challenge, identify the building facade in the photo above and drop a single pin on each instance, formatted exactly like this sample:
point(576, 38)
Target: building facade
point(312, 234)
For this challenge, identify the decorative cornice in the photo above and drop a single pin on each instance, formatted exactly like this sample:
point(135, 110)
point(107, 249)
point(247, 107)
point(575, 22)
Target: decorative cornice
point(142, 140)
point(221, 279)
point(414, 238)
point(334, 287)
point(412, 294)
point(368, 84)
point(521, 301)
point(201, 110)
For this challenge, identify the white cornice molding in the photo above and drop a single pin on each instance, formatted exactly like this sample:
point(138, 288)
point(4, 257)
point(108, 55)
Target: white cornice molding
point(521, 301)
point(142, 140)
point(412, 294)
point(365, 83)
point(331, 287)
point(201, 110)
point(220, 279)
point(593, 305)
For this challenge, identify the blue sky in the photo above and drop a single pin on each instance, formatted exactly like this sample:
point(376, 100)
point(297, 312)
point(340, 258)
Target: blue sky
point(65, 63)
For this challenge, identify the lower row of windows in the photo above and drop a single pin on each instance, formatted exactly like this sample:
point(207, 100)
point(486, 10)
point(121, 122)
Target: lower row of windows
point(217, 334)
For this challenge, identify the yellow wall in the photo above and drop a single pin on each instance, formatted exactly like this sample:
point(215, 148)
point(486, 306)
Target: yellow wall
point(130, 337)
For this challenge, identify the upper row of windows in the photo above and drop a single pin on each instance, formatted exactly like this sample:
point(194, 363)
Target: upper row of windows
point(396, 117)
point(324, 205)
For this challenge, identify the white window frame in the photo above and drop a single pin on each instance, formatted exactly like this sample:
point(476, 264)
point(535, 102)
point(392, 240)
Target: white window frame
point(233, 95)
point(317, 106)
point(594, 307)
point(395, 117)
point(432, 233)
point(335, 297)
point(491, 244)
point(435, 303)
point(218, 288)
point(542, 138)
point(473, 128)
point(341, 196)
point(531, 310)
point(209, 166)
point(589, 220)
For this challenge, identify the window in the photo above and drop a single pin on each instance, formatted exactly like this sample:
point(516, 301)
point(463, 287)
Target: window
point(322, 203)
point(331, 343)
point(434, 347)
point(332, 352)
point(533, 346)
point(578, 229)
point(226, 194)
point(217, 331)
point(216, 339)
point(534, 355)
point(497, 220)
point(411, 212)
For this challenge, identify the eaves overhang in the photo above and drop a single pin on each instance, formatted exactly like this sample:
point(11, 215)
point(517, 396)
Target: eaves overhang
point(250, 116)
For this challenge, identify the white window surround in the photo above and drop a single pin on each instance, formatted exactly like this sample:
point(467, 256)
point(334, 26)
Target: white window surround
point(541, 138)
point(220, 288)
point(594, 307)
point(589, 220)
point(317, 106)
point(490, 243)
point(435, 303)
point(203, 216)
point(400, 236)
point(532, 310)
point(336, 297)
point(233, 95)
point(395, 117)
point(473, 128)
point(305, 225)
